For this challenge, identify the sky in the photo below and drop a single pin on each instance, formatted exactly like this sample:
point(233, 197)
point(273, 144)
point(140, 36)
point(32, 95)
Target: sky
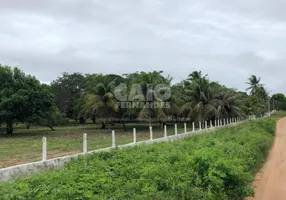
point(228, 40)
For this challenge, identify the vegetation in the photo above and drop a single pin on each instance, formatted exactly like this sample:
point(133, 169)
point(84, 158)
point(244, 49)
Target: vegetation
point(218, 165)
point(26, 144)
point(98, 97)
point(22, 98)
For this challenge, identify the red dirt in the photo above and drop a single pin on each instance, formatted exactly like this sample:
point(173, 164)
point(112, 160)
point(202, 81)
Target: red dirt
point(270, 183)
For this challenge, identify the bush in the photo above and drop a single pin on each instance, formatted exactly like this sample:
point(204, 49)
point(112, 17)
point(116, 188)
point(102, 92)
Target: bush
point(218, 165)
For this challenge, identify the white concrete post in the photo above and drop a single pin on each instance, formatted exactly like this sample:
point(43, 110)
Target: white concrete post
point(44, 154)
point(206, 125)
point(151, 133)
point(224, 122)
point(165, 131)
point(215, 123)
point(193, 126)
point(200, 126)
point(134, 135)
point(218, 124)
point(176, 129)
point(113, 139)
point(211, 123)
point(185, 127)
point(84, 143)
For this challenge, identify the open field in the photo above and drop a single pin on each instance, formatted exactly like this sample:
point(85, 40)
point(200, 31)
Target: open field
point(219, 165)
point(26, 144)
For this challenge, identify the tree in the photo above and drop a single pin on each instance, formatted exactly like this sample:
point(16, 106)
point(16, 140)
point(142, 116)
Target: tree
point(148, 81)
point(200, 96)
point(278, 101)
point(52, 118)
point(99, 99)
point(255, 86)
point(67, 89)
point(22, 97)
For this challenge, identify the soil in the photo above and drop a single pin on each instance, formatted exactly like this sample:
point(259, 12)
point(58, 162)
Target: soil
point(270, 182)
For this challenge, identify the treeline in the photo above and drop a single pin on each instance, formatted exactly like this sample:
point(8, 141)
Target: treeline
point(109, 99)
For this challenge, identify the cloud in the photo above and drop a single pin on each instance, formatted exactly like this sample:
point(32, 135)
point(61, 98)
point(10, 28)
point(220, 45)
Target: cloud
point(229, 40)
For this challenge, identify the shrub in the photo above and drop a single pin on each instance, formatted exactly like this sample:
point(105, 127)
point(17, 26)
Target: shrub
point(218, 165)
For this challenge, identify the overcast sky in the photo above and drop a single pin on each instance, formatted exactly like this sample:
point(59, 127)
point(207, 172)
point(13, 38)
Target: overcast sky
point(229, 40)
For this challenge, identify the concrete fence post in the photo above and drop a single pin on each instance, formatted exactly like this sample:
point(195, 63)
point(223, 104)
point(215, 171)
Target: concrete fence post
point(134, 135)
point(44, 153)
point(113, 140)
point(151, 133)
point(194, 127)
point(218, 124)
point(200, 126)
point(206, 125)
point(165, 131)
point(224, 122)
point(176, 129)
point(211, 123)
point(185, 127)
point(215, 122)
point(84, 143)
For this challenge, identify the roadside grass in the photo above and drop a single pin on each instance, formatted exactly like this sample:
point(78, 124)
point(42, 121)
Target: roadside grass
point(26, 144)
point(214, 166)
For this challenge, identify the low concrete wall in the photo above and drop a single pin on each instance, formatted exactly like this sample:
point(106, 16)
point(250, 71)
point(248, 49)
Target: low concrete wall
point(19, 171)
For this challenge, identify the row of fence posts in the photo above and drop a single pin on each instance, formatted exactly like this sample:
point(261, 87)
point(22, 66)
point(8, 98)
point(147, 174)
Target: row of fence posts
point(217, 123)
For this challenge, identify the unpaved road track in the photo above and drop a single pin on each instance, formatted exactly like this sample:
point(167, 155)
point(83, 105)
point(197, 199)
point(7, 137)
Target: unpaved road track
point(270, 183)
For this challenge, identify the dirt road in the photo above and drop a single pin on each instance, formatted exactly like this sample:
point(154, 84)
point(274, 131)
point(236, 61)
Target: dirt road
point(270, 183)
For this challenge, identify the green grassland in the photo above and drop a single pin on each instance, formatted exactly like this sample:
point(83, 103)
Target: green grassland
point(26, 144)
point(219, 165)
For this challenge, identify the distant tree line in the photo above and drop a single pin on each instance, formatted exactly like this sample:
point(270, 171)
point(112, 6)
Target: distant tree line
point(79, 97)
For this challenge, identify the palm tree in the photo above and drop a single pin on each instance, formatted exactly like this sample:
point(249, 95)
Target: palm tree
point(254, 85)
point(196, 75)
point(148, 81)
point(101, 103)
point(200, 100)
point(229, 104)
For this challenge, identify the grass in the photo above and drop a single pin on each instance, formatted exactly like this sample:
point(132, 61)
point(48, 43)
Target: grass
point(26, 144)
point(219, 165)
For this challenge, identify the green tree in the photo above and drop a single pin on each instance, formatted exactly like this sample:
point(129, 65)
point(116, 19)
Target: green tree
point(278, 101)
point(67, 89)
point(99, 100)
point(22, 97)
point(255, 86)
point(149, 82)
